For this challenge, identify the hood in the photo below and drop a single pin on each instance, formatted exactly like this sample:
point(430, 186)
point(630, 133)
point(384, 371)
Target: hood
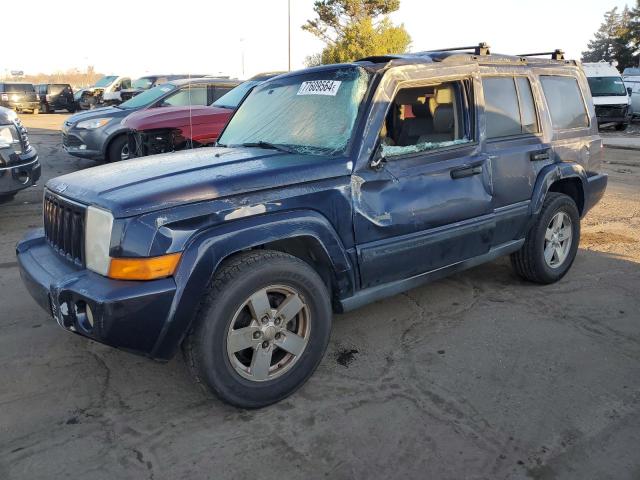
point(157, 182)
point(104, 112)
point(170, 117)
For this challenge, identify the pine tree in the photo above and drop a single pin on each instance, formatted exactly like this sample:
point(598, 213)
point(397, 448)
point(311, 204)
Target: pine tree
point(612, 41)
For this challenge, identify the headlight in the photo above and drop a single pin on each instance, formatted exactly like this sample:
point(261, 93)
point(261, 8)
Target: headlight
point(9, 138)
point(97, 240)
point(93, 123)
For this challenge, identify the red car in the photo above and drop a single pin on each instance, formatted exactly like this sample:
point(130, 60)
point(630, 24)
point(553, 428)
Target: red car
point(169, 129)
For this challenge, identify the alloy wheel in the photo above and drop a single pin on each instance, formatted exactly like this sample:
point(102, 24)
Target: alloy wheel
point(268, 333)
point(557, 240)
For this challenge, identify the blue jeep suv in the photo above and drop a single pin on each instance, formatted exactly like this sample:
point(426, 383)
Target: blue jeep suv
point(330, 188)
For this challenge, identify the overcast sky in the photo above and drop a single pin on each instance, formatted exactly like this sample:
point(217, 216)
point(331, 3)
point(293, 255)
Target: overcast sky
point(137, 37)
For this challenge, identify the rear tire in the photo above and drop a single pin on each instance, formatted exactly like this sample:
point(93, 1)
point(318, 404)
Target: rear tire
point(256, 366)
point(545, 257)
point(35, 111)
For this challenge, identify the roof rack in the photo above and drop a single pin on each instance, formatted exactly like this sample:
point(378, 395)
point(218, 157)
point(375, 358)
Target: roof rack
point(481, 49)
point(557, 54)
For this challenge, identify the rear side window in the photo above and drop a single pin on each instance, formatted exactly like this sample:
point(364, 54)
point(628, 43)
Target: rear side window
point(566, 105)
point(509, 106)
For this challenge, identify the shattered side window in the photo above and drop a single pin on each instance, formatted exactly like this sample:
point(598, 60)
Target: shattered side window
point(312, 113)
point(426, 118)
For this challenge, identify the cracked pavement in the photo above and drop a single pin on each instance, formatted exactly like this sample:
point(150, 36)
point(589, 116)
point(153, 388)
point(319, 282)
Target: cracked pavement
point(477, 376)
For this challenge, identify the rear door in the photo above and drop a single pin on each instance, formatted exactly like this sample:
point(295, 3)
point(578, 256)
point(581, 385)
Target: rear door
point(516, 145)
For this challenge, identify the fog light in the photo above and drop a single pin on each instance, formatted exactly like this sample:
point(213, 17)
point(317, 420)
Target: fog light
point(23, 177)
point(89, 316)
point(84, 315)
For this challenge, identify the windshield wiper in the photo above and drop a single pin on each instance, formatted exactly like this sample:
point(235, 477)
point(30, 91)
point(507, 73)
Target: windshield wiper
point(273, 146)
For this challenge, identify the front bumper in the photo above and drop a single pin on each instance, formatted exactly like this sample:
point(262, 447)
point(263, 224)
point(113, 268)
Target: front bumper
point(596, 186)
point(20, 105)
point(84, 143)
point(21, 174)
point(124, 314)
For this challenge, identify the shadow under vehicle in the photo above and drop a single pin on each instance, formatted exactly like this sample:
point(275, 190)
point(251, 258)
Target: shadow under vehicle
point(329, 188)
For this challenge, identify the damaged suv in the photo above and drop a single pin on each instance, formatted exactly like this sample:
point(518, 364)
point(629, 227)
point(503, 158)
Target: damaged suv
point(330, 188)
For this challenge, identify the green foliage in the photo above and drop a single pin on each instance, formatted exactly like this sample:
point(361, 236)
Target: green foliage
point(354, 29)
point(618, 38)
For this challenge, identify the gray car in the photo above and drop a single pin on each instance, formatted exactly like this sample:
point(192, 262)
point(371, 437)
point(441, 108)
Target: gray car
point(99, 134)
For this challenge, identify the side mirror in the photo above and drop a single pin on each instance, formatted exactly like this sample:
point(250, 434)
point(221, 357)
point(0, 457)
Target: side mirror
point(378, 160)
point(629, 91)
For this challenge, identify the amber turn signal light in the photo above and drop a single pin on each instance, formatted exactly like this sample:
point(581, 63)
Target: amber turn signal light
point(144, 268)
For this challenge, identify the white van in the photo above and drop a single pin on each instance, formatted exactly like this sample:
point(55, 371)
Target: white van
point(610, 96)
point(631, 78)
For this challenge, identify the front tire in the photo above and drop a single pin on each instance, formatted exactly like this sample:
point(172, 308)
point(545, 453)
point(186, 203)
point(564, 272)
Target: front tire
point(119, 149)
point(621, 127)
point(261, 330)
point(551, 245)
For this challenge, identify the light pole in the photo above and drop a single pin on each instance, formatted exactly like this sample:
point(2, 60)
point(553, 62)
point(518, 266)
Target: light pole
point(242, 54)
point(289, 29)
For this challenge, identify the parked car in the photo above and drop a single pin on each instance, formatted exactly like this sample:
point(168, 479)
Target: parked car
point(100, 135)
point(19, 165)
point(145, 83)
point(609, 93)
point(330, 188)
point(105, 92)
point(176, 128)
point(631, 78)
point(55, 96)
point(19, 96)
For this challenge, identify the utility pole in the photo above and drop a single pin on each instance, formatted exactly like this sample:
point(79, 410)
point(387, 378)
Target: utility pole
point(289, 29)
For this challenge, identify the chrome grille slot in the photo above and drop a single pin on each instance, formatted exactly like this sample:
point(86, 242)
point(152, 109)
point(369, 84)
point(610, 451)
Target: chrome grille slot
point(64, 226)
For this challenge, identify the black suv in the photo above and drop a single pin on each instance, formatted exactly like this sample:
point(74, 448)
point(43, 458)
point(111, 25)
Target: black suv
point(99, 134)
point(19, 96)
point(330, 188)
point(55, 96)
point(19, 165)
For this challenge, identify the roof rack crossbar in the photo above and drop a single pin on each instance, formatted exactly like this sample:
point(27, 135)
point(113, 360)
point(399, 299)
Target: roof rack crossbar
point(557, 54)
point(481, 49)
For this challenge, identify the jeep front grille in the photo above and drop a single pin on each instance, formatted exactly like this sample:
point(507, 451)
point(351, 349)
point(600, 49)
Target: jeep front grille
point(64, 226)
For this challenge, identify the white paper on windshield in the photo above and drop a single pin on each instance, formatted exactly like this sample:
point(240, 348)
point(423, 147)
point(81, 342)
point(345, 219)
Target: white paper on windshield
point(320, 87)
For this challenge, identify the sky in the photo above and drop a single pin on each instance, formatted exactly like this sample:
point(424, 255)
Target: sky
point(243, 37)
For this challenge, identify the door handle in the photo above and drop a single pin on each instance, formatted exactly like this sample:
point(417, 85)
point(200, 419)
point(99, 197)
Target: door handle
point(537, 156)
point(467, 171)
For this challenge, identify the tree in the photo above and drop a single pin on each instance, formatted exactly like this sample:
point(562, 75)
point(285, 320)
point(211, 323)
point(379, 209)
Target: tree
point(612, 40)
point(353, 29)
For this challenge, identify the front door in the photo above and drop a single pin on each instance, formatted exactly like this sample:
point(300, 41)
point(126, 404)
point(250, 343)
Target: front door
point(428, 204)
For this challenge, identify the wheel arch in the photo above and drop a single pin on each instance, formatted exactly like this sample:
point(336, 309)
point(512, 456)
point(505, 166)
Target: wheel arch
point(567, 178)
point(307, 235)
point(109, 141)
